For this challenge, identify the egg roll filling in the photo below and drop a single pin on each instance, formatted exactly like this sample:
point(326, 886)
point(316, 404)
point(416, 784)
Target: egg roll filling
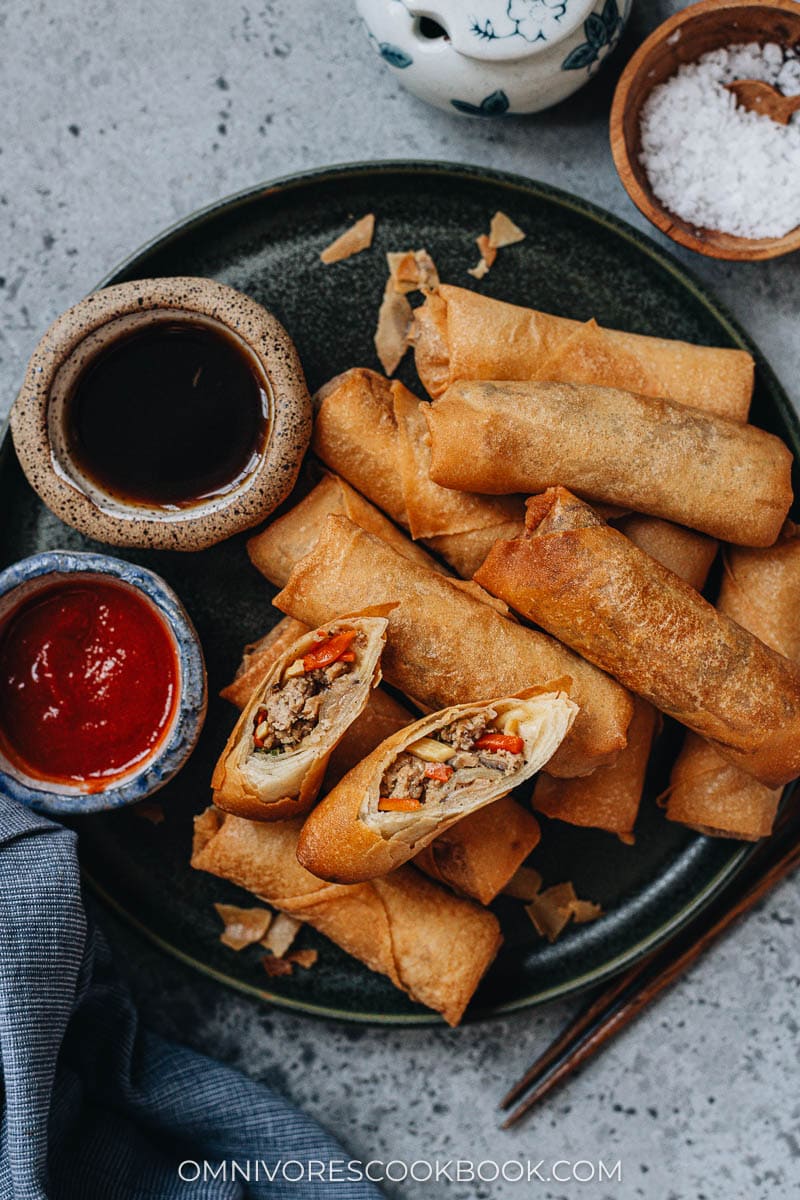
point(435, 769)
point(296, 705)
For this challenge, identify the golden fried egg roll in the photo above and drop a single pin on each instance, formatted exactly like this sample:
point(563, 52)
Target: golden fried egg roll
point(609, 798)
point(475, 857)
point(588, 585)
point(459, 334)
point(432, 945)
point(725, 479)
point(445, 646)
point(761, 590)
point(427, 777)
point(274, 762)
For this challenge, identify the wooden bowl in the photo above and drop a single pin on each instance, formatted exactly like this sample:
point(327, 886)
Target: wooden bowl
point(683, 39)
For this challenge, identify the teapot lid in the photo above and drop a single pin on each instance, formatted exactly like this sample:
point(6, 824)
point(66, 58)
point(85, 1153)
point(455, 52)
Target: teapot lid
point(499, 30)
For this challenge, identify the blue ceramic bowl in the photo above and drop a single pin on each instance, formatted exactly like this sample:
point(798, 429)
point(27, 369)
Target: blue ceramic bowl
point(24, 579)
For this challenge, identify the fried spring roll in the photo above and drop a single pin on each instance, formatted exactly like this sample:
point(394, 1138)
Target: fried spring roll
point(259, 657)
point(591, 587)
point(434, 946)
point(460, 334)
point(425, 778)
point(609, 798)
point(275, 551)
point(446, 647)
point(761, 590)
point(728, 480)
point(475, 857)
point(369, 431)
point(274, 762)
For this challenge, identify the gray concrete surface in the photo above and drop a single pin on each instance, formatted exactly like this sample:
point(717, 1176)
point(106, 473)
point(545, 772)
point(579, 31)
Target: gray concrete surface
point(117, 117)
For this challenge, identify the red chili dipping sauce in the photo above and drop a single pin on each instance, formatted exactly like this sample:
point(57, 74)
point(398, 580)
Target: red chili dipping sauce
point(88, 683)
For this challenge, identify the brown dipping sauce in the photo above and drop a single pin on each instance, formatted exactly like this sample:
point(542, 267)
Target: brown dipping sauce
point(169, 415)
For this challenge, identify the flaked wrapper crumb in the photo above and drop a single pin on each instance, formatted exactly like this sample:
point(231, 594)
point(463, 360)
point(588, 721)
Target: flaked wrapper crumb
point(282, 932)
point(551, 911)
point(502, 232)
point(412, 271)
point(276, 967)
point(355, 239)
point(394, 322)
point(243, 926)
point(303, 958)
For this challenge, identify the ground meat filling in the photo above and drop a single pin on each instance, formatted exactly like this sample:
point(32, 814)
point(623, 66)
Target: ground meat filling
point(291, 709)
point(415, 779)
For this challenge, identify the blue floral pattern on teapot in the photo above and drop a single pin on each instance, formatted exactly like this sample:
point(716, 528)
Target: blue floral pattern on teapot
point(498, 57)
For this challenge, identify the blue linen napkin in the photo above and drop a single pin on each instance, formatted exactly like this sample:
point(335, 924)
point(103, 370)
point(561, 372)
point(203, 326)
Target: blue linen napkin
point(93, 1106)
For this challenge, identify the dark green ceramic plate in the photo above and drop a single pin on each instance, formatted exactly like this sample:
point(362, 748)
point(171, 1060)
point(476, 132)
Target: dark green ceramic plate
point(576, 260)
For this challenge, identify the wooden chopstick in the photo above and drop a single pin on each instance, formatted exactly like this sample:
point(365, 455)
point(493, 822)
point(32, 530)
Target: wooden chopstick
point(625, 997)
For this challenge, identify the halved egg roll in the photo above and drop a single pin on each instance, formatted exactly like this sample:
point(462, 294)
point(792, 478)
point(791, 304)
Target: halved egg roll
point(372, 433)
point(590, 586)
point(259, 657)
point(761, 590)
point(445, 646)
point(609, 798)
point(477, 856)
point(277, 548)
point(425, 778)
point(433, 945)
point(274, 762)
point(726, 479)
point(459, 334)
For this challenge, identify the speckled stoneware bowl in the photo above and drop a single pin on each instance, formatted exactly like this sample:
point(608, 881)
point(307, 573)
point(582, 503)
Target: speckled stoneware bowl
point(78, 335)
point(24, 579)
point(494, 57)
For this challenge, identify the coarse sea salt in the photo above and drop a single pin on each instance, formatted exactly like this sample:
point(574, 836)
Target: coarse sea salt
point(713, 163)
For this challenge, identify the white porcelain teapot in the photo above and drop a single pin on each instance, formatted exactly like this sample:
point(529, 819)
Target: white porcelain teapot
point(491, 57)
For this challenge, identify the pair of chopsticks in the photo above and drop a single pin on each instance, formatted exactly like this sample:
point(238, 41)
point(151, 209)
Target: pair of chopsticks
point(624, 998)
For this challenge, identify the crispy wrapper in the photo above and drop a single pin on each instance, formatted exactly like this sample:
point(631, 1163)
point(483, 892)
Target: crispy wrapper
point(609, 798)
point(477, 856)
point(460, 334)
point(434, 946)
point(721, 477)
point(275, 551)
point(355, 239)
point(591, 587)
point(358, 435)
point(503, 232)
point(394, 322)
point(761, 590)
point(446, 647)
point(412, 271)
point(348, 838)
point(259, 657)
point(274, 787)
point(355, 435)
